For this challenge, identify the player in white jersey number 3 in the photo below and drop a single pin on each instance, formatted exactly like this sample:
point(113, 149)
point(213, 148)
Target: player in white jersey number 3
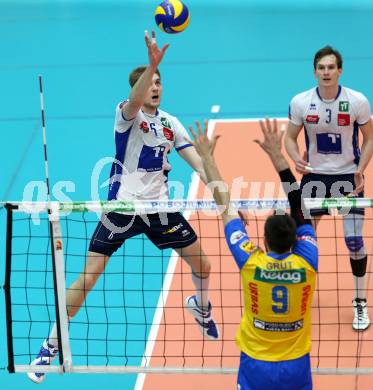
point(144, 135)
point(333, 166)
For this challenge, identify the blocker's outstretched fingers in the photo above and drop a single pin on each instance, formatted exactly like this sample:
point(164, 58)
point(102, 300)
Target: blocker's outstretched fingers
point(205, 125)
point(275, 125)
point(192, 131)
point(263, 128)
point(199, 128)
point(153, 37)
point(269, 126)
point(260, 143)
point(213, 143)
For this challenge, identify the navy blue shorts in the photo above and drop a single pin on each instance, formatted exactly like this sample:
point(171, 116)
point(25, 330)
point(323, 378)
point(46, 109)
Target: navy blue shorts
point(165, 230)
point(285, 375)
point(329, 186)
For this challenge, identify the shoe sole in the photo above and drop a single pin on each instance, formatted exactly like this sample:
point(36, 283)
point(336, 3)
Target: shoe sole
point(361, 329)
point(34, 379)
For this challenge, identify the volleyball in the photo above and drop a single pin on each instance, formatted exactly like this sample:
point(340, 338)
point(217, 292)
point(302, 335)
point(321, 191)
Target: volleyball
point(172, 16)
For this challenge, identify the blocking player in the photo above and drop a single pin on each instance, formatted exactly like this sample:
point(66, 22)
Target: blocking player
point(144, 135)
point(331, 116)
point(275, 331)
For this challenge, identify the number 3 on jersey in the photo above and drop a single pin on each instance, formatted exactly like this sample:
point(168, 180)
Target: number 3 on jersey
point(329, 113)
point(280, 299)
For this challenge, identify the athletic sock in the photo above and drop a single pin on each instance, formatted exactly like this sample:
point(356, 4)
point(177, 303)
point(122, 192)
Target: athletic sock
point(202, 291)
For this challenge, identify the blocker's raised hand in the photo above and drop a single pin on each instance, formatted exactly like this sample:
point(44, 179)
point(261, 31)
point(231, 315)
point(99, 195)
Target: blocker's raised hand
point(203, 145)
point(272, 137)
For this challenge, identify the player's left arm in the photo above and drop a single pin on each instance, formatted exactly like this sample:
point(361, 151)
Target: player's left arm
point(366, 154)
point(306, 245)
point(191, 156)
point(186, 150)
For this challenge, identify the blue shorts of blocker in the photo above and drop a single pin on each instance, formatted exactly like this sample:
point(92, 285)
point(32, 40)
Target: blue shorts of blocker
point(256, 374)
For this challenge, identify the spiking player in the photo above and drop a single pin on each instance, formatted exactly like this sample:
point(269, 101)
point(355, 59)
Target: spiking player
point(331, 116)
point(275, 332)
point(144, 135)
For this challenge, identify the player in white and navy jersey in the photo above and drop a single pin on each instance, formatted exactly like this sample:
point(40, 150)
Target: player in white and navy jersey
point(331, 128)
point(143, 143)
point(332, 116)
point(144, 136)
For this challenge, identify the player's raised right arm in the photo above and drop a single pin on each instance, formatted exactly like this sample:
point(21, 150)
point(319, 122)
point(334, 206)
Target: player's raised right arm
point(272, 144)
point(140, 89)
point(205, 148)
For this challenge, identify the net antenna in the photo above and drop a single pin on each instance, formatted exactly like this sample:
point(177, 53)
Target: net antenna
point(44, 139)
point(57, 255)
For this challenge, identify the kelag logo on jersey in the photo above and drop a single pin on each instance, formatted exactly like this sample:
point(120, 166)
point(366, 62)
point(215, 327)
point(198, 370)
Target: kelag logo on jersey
point(312, 119)
point(343, 119)
point(343, 106)
point(292, 276)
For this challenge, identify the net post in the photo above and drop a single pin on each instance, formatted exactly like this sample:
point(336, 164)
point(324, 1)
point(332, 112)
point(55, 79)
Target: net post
point(8, 297)
point(60, 288)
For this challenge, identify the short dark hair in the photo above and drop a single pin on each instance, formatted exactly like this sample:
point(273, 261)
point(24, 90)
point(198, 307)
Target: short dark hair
point(327, 51)
point(136, 73)
point(280, 233)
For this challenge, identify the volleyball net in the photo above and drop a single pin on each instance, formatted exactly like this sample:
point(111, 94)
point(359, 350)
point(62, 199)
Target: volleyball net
point(133, 320)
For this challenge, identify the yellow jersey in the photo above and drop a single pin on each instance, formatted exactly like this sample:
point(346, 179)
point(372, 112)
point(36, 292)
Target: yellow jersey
point(278, 290)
